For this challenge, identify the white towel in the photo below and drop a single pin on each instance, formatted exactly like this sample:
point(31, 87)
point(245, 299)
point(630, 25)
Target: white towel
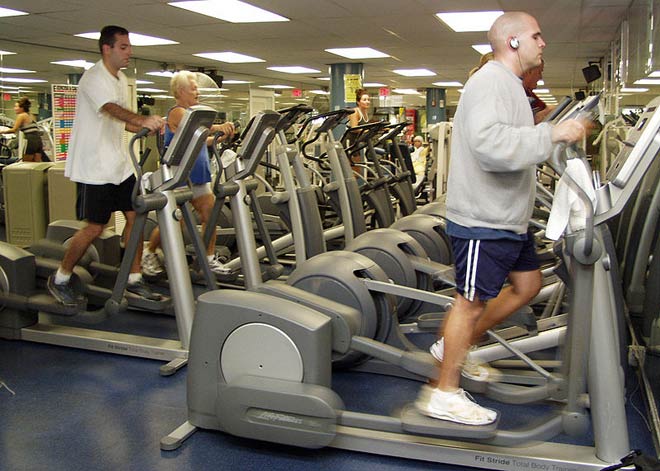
point(567, 208)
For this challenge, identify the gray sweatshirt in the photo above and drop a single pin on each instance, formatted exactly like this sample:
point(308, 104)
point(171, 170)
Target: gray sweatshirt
point(494, 150)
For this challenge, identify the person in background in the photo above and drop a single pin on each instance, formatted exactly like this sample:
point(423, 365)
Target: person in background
point(358, 118)
point(99, 163)
point(490, 197)
point(183, 86)
point(361, 115)
point(34, 150)
point(530, 79)
point(418, 157)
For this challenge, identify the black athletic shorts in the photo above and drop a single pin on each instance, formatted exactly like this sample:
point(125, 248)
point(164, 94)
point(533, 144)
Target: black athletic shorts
point(96, 203)
point(482, 266)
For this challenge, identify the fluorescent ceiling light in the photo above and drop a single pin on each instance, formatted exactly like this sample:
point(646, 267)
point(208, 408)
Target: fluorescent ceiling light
point(373, 84)
point(10, 70)
point(231, 57)
point(294, 69)
point(235, 82)
point(469, 21)
point(81, 63)
point(319, 92)
point(135, 38)
point(326, 79)
point(406, 91)
point(162, 96)
point(151, 90)
point(540, 82)
point(448, 84)
point(357, 52)
point(541, 91)
point(143, 82)
point(654, 74)
point(414, 72)
point(9, 12)
point(232, 11)
point(634, 90)
point(277, 87)
point(647, 82)
point(6, 53)
point(482, 48)
point(9, 87)
point(21, 80)
point(161, 73)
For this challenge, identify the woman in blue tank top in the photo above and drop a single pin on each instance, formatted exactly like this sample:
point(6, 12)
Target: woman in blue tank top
point(184, 88)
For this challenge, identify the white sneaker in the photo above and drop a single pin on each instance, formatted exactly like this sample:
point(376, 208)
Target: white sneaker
point(457, 406)
point(151, 264)
point(472, 369)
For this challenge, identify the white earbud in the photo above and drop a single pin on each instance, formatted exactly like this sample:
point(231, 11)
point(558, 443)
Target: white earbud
point(514, 43)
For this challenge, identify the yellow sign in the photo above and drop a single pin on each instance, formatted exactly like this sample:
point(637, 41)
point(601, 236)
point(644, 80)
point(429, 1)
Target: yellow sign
point(352, 82)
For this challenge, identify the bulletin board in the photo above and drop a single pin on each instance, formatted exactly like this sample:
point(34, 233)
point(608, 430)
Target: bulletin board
point(64, 110)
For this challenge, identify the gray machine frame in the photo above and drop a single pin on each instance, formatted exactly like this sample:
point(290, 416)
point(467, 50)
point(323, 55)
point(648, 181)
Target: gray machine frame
point(264, 399)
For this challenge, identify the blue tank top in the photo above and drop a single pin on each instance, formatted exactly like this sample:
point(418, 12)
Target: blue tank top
point(201, 171)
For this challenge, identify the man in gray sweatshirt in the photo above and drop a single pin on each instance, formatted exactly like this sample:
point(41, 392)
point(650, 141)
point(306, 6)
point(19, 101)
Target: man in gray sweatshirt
point(490, 197)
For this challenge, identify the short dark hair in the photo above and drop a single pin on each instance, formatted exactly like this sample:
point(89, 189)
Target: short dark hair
point(25, 104)
point(358, 94)
point(108, 35)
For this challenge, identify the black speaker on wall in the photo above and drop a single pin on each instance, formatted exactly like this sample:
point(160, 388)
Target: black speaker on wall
point(591, 73)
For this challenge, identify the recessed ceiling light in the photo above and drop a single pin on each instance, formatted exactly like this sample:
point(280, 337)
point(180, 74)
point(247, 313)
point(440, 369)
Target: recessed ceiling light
point(235, 82)
point(647, 82)
point(9, 12)
point(151, 90)
point(161, 73)
point(135, 38)
point(231, 57)
point(357, 52)
point(634, 90)
point(469, 21)
point(448, 84)
point(276, 87)
point(81, 63)
point(232, 11)
point(10, 70)
point(21, 80)
point(482, 48)
point(373, 85)
point(414, 72)
point(294, 69)
point(406, 91)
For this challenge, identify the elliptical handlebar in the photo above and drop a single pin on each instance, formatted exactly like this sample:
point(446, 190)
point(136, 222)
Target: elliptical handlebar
point(395, 129)
point(362, 134)
point(330, 120)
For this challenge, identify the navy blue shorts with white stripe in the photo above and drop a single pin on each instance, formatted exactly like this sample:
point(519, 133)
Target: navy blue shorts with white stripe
point(482, 266)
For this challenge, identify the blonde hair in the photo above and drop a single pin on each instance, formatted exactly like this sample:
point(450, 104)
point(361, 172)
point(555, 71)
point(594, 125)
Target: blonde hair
point(181, 79)
point(484, 59)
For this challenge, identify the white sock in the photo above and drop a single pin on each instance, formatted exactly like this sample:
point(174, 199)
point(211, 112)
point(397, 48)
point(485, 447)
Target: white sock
point(210, 258)
point(134, 278)
point(62, 278)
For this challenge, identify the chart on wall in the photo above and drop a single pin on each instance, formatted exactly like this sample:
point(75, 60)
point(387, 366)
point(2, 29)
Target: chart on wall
point(64, 109)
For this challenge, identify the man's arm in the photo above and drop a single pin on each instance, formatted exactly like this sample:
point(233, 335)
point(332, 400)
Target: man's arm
point(134, 122)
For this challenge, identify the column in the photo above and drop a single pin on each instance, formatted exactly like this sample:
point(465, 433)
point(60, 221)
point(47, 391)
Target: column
point(436, 111)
